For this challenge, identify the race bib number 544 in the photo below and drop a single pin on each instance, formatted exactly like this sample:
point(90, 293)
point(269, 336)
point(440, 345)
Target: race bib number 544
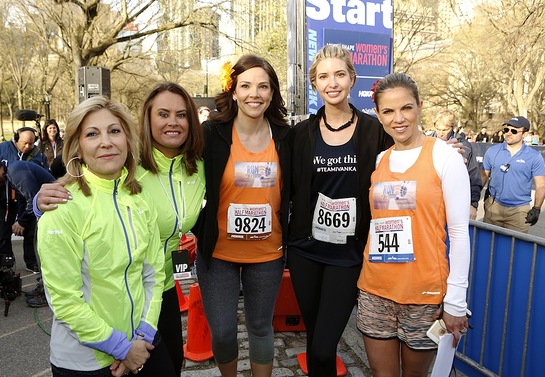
point(391, 240)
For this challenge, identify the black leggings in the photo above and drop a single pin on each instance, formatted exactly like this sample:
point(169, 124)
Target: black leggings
point(326, 295)
point(62, 372)
point(167, 357)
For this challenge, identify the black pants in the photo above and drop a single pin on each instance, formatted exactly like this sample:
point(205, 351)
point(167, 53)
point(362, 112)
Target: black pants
point(168, 356)
point(29, 242)
point(326, 295)
point(7, 218)
point(61, 372)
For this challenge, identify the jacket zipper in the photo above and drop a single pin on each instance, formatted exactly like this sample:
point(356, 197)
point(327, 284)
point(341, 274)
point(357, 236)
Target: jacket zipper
point(129, 253)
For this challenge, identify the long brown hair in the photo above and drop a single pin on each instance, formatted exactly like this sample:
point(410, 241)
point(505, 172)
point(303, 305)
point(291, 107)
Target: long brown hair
point(226, 105)
point(45, 136)
point(193, 147)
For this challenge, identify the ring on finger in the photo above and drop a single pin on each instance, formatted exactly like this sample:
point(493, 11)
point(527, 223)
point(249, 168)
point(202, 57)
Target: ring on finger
point(141, 367)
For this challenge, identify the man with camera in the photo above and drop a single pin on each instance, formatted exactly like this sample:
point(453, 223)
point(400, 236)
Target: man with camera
point(510, 168)
point(26, 178)
point(13, 205)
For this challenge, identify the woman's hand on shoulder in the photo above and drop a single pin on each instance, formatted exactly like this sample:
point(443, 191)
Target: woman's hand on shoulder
point(52, 194)
point(455, 143)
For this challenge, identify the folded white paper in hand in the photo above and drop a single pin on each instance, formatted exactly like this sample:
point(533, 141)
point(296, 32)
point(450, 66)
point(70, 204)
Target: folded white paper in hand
point(445, 356)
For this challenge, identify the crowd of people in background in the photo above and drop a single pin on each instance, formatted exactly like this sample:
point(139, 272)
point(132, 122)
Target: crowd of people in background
point(491, 136)
point(256, 191)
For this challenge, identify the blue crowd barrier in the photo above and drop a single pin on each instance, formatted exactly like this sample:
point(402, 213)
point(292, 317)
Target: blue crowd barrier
point(505, 295)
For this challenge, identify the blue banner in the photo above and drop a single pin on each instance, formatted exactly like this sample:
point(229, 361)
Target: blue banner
point(365, 29)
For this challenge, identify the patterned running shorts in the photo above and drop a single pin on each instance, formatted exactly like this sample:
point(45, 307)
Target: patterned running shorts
point(380, 318)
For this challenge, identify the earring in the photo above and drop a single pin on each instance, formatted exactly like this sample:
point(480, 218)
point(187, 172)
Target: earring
point(68, 171)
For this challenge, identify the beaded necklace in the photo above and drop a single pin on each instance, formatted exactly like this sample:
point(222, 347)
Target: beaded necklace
point(347, 124)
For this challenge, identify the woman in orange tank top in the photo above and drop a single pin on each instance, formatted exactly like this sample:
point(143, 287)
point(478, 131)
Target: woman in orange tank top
point(242, 227)
point(407, 279)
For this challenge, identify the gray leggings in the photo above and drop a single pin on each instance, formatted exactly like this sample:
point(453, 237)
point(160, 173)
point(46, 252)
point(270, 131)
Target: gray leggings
point(220, 287)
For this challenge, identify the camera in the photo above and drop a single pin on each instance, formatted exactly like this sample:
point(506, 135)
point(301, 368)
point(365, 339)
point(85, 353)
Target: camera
point(10, 282)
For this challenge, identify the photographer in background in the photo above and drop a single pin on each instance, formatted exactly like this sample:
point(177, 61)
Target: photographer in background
point(27, 178)
point(21, 147)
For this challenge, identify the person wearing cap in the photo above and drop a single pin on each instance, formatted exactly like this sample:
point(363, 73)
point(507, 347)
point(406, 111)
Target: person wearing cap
point(510, 168)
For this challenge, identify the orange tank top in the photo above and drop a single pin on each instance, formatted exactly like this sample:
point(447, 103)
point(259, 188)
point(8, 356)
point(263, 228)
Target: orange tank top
point(397, 199)
point(249, 209)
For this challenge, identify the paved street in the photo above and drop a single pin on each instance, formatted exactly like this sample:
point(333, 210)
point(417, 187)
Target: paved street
point(24, 339)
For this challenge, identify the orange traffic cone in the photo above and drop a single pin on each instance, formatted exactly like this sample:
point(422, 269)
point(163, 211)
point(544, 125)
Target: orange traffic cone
point(199, 342)
point(182, 301)
point(302, 359)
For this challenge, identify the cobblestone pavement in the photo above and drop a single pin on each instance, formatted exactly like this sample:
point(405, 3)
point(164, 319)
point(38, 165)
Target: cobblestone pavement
point(287, 346)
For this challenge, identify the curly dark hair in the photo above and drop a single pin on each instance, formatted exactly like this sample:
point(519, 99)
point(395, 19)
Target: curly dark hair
point(47, 123)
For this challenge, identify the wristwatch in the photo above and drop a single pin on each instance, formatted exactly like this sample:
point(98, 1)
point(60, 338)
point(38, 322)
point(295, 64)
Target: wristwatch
point(475, 205)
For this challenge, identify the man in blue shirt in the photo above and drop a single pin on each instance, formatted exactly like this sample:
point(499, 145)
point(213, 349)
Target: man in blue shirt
point(510, 169)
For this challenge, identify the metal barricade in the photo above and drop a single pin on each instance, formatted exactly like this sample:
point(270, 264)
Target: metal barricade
point(507, 297)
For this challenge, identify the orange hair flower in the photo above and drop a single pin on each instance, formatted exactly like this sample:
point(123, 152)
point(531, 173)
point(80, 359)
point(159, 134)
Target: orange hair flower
point(373, 90)
point(225, 76)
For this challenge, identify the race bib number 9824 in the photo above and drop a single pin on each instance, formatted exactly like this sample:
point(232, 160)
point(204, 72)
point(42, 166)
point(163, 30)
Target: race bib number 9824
point(249, 221)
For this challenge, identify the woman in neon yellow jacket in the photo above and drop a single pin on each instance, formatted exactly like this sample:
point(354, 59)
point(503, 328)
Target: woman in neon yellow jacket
point(172, 169)
point(172, 173)
point(100, 253)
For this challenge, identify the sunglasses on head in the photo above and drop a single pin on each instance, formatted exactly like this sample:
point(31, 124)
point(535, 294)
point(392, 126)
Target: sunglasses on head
point(512, 130)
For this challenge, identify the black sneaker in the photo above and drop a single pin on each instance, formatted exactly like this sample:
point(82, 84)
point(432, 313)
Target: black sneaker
point(34, 269)
point(37, 301)
point(38, 290)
